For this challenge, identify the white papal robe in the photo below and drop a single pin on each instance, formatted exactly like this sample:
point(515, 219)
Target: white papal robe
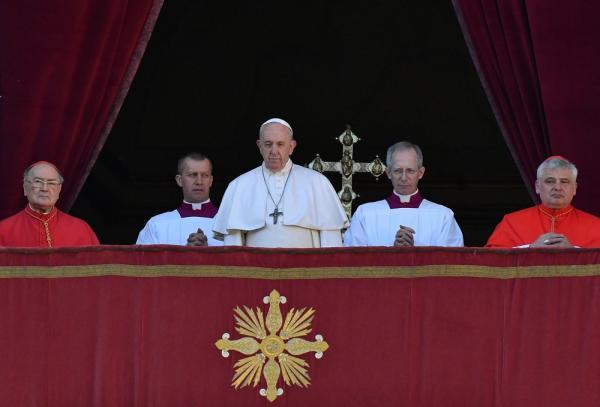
point(174, 228)
point(376, 224)
point(312, 213)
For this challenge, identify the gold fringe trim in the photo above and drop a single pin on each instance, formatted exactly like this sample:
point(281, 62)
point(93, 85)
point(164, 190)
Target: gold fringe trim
point(262, 273)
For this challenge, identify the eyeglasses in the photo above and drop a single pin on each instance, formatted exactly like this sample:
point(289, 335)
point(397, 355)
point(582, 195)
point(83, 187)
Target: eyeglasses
point(40, 183)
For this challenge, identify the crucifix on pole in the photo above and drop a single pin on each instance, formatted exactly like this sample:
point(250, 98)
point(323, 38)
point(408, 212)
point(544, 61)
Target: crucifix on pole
point(347, 167)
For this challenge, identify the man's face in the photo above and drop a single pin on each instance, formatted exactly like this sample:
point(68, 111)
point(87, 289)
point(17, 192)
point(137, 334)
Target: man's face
point(405, 172)
point(42, 187)
point(195, 180)
point(556, 187)
point(275, 145)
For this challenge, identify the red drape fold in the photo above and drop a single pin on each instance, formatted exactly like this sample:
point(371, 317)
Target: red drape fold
point(64, 72)
point(538, 64)
point(499, 40)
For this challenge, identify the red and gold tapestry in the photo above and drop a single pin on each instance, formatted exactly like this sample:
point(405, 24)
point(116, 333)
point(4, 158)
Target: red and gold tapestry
point(151, 326)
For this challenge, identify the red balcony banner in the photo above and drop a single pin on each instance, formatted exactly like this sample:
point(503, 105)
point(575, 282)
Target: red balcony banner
point(151, 326)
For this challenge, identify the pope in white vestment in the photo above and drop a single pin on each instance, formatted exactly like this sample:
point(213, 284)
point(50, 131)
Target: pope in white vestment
point(312, 215)
point(280, 204)
point(404, 218)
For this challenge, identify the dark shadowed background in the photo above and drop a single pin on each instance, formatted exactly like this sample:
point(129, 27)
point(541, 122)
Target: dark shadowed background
point(213, 72)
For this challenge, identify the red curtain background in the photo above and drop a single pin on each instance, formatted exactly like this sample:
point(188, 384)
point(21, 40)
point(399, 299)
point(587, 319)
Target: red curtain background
point(65, 68)
point(126, 326)
point(538, 61)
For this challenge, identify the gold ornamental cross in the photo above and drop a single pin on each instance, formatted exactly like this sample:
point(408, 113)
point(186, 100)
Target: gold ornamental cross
point(348, 167)
point(273, 345)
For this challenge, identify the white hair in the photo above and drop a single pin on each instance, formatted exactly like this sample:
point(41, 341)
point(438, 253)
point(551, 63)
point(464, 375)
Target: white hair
point(555, 162)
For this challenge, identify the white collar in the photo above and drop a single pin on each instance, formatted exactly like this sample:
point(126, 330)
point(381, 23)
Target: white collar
point(197, 205)
point(286, 168)
point(405, 198)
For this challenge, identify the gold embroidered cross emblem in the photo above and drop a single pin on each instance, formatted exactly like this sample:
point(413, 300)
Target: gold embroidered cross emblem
point(273, 345)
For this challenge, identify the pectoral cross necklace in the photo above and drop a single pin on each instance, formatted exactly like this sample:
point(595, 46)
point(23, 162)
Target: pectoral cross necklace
point(276, 212)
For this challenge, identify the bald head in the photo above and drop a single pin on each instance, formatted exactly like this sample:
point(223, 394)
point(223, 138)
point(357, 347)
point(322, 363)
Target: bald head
point(42, 183)
point(42, 163)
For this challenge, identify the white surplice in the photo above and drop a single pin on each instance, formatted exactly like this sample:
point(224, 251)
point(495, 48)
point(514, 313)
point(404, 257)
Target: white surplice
point(375, 224)
point(171, 228)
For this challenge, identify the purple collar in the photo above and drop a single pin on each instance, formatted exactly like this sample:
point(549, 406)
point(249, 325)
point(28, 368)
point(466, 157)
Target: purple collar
point(208, 210)
point(414, 202)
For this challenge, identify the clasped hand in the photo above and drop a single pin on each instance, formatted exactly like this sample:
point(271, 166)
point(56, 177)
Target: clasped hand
point(404, 237)
point(197, 239)
point(551, 240)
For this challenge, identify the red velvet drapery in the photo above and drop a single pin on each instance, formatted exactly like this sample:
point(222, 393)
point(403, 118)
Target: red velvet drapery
point(137, 326)
point(538, 61)
point(65, 67)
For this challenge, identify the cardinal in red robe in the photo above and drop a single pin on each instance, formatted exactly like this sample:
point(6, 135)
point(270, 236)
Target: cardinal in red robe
point(555, 222)
point(41, 224)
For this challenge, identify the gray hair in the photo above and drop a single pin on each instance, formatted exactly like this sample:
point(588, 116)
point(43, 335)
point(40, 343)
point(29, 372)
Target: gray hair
point(402, 146)
point(192, 156)
point(28, 170)
point(555, 162)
